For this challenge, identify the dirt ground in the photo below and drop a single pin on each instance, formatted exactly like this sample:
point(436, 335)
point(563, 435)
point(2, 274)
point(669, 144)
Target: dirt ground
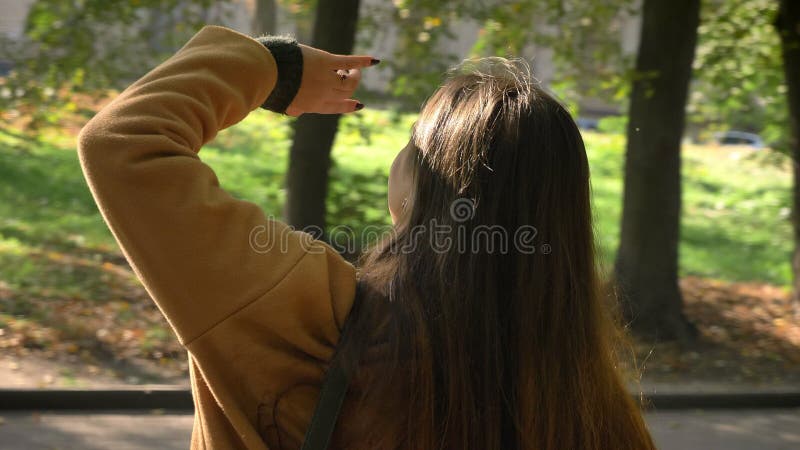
point(749, 336)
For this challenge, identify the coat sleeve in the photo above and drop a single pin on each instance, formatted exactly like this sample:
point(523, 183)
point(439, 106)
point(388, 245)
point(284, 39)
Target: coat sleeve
point(201, 254)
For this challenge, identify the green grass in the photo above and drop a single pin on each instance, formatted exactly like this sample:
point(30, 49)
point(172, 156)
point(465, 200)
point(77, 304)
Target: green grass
point(735, 224)
point(736, 215)
point(53, 241)
point(65, 291)
point(251, 159)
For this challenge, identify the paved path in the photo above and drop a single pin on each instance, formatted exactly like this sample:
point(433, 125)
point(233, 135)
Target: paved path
point(673, 430)
point(726, 429)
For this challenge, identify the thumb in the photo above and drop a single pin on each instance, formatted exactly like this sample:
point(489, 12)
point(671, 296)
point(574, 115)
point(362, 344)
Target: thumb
point(352, 61)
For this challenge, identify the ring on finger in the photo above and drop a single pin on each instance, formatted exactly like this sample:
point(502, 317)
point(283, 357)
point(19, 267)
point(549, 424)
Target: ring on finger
point(342, 75)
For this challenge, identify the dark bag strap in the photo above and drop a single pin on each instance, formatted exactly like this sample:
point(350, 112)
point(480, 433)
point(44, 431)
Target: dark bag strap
point(334, 389)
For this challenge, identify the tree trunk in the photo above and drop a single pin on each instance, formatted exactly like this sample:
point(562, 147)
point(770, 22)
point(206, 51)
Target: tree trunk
point(310, 155)
point(787, 24)
point(264, 17)
point(646, 267)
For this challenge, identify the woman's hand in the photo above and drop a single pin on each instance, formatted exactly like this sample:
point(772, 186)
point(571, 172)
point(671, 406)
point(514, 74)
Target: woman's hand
point(328, 82)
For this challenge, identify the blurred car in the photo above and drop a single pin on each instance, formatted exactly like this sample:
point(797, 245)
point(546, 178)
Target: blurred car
point(739, 138)
point(585, 123)
point(5, 67)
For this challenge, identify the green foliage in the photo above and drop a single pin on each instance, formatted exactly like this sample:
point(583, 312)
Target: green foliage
point(301, 12)
point(420, 28)
point(738, 75)
point(583, 36)
point(92, 45)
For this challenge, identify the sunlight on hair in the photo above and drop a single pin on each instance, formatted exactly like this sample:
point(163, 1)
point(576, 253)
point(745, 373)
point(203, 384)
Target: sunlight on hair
point(514, 72)
point(482, 100)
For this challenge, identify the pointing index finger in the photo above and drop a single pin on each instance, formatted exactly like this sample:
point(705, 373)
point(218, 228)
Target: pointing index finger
point(353, 61)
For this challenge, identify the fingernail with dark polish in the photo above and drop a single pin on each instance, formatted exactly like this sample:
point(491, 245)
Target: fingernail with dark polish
point(359, 106)
point(374, 61)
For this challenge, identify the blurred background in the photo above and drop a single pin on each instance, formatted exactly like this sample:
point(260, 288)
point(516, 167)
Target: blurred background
point(689, 110)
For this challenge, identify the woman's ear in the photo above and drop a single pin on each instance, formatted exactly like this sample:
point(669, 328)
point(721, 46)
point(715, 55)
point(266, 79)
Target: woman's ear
point(400, 181)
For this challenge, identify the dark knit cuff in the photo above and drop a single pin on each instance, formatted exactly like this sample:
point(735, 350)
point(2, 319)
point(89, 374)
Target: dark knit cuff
point(289, 59)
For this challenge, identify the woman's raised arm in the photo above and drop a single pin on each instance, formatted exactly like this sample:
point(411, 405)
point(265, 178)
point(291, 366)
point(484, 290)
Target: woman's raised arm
point(187, 239)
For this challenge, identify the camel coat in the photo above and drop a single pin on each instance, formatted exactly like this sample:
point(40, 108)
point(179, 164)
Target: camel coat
point(259, 307)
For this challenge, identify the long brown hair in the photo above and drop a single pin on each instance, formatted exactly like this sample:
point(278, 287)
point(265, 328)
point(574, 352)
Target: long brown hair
point(470, 343)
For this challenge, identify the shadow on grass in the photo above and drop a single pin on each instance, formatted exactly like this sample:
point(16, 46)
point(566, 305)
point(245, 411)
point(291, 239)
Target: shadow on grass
point(45, 198)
